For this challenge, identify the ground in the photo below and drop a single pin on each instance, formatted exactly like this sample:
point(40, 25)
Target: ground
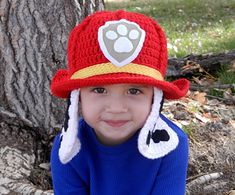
point(210, 125)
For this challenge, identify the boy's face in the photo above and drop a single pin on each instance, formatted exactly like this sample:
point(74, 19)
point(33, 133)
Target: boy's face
point(116, 112)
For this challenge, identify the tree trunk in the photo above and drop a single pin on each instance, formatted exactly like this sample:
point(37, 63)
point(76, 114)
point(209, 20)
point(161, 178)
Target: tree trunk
point(33, 44)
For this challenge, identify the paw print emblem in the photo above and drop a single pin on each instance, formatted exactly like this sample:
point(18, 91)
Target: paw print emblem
point(121, 41)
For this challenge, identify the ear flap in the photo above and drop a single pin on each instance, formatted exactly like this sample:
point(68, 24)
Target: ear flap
point(70, 144)
point(156, 138)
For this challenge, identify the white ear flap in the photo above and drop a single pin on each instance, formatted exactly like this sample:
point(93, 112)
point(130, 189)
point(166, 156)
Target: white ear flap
point(156, 138)
point(70, 144)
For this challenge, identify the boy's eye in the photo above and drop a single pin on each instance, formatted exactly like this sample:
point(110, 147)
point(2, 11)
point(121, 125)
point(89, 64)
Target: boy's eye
point(134, 91)
point(99, 90)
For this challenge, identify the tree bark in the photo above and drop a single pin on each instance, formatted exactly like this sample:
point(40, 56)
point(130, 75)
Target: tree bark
point(33, 44)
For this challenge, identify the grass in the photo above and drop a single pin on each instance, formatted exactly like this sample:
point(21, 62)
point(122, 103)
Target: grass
point(226, 76)
point(191, 26)
point(188, 129)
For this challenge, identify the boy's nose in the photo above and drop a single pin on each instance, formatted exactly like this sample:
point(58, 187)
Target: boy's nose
point(116, 105)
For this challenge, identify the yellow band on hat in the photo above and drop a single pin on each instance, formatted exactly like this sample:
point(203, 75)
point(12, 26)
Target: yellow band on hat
point(107, 68)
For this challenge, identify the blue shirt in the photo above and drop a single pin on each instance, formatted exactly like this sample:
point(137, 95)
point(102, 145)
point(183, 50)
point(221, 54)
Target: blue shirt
point(120, 169)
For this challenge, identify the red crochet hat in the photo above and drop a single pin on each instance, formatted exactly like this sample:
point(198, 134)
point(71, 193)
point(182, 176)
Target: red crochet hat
point(117, 47)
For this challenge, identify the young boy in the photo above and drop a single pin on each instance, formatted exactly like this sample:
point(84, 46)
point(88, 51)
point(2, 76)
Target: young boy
point(122, 145)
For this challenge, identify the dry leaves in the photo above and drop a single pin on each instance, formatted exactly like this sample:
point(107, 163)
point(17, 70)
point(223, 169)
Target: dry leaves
point(200, 97)
point(210, 125)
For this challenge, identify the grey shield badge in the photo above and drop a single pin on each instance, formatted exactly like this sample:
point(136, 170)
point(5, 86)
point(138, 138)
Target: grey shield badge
point(121, 41)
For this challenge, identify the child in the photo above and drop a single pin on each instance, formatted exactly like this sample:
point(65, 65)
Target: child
point(122, 145)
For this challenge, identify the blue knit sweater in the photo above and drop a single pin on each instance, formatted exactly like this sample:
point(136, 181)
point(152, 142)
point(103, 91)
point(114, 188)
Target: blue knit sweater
point(120, 169)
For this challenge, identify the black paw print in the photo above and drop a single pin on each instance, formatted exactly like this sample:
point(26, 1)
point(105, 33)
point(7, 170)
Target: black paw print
point(157, 136)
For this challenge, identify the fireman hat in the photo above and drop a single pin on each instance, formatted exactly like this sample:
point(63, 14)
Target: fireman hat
point(117, 47)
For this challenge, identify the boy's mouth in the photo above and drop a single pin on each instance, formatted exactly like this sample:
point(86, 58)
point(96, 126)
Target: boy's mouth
point(116, 123)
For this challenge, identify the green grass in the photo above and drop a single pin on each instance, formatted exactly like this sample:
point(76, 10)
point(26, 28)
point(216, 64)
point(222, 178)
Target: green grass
point(188, 129)
point(226, 75)
point(191, 26)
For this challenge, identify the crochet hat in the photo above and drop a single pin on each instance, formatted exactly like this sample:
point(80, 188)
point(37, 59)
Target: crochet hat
point(117, 47)
point(111, 48)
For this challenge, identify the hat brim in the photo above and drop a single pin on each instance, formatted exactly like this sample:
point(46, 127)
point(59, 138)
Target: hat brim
point(62, 84)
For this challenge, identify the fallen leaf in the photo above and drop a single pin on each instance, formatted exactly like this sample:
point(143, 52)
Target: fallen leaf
point(232, 122)
point(201, 118)
point(205, 81)
point(232, 192)
point(185, 123)
point(197, 80)
point(200, 97)
point(228, 94)
point(208, 116)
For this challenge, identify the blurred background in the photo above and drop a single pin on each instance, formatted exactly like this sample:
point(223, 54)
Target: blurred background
point(191, 26)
